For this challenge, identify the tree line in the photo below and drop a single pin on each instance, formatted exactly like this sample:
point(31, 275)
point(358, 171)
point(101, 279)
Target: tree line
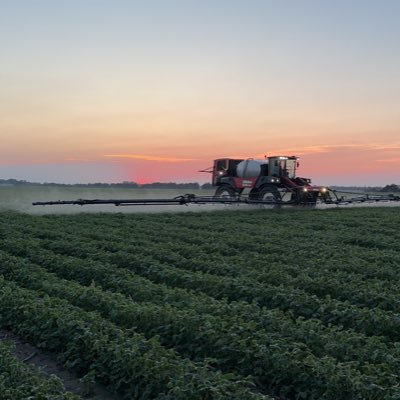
point(125, 184)
point(173, 185)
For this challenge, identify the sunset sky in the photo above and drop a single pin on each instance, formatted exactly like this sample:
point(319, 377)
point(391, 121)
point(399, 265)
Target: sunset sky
point(110, 91)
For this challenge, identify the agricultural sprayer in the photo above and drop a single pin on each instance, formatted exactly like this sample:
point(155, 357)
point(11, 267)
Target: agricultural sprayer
point(270, 182)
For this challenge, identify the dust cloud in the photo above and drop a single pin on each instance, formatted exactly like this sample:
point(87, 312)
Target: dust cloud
point(14, 198)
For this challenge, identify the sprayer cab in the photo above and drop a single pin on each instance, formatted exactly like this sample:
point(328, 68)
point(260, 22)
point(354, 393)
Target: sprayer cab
point(283, 166)
point(224, 167)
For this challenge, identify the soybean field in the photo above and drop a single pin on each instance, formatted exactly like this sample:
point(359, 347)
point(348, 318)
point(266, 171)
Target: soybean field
point(259, 304)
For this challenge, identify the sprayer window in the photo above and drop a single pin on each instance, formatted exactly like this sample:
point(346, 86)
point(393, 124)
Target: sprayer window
point(221, 165)
point(291, 168)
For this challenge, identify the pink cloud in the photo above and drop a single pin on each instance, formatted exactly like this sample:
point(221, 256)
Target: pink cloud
point(151, 158)
point(389, 160)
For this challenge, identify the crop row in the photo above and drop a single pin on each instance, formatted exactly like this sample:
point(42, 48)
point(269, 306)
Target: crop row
point(210, 232)
point(124, 361)
point(344, 345)
point(324, 280)
point(369, 321)
point(375, 229)
point(22, 381)
point(194, 245)
point(258, 303)
point(270, 358)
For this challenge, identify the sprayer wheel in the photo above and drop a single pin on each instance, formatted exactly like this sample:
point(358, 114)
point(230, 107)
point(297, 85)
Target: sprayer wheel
point(226, 192)
point(269, 194)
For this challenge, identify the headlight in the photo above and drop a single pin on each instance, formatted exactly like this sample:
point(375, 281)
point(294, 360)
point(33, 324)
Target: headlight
point(305, 189)
point(324, 190)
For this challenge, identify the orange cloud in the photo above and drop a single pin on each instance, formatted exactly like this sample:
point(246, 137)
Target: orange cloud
point(75, 159)
point(323, 149)
point(389, 160)
point(151, 158)
point(388, 147)
point(320, 149)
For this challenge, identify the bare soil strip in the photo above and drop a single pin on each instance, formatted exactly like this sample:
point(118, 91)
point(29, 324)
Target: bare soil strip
point(46, 363)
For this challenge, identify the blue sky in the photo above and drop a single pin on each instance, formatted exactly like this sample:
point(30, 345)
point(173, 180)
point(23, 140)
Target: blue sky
point(196, 79)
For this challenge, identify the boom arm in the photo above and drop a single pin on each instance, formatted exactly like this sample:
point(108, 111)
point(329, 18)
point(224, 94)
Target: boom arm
point(193, 199)
point(179, 200)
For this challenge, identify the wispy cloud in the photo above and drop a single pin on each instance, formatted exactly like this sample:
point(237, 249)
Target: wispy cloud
point(83, 160)
point(150, 158)
point(320, 149)
point(388, 147)
point(389, 160)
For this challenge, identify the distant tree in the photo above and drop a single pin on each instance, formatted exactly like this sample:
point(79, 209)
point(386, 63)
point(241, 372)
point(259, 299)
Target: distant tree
point(16, 182)
point(206, 186)
point(125, 184)
point(97, 185)
point(189, 185)
point(391, 188)
point(170, 185)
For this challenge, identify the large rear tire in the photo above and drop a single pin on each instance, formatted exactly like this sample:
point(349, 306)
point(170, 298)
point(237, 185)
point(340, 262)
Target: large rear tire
point(269, 195)
point(226, 192)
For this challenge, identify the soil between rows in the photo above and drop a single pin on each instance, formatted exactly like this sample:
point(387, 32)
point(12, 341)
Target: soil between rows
point(47, 364)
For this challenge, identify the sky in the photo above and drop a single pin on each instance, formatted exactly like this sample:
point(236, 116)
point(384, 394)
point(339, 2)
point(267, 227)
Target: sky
point(144, 91)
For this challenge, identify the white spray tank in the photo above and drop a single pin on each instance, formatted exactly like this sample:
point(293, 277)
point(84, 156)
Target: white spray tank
point(250, 168)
